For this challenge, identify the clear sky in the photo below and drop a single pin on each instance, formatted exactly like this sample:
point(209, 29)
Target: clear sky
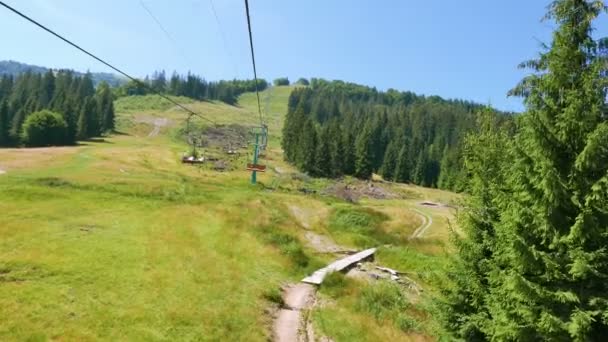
point(465, 49)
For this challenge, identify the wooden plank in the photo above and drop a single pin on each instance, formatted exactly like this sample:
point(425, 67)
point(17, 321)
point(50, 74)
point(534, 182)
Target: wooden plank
point(318, 276)
point(256, 167)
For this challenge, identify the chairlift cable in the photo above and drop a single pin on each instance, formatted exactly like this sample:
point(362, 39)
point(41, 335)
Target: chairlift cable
point(43, 27)
point(255, 74)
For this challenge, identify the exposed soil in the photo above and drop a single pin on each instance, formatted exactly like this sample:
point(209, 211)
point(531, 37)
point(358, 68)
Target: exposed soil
point(323, 244)
point(301, 216)
point(232, 137)
point(289, 325)
point(157, 124)
point(353, 192)
point(434, 205)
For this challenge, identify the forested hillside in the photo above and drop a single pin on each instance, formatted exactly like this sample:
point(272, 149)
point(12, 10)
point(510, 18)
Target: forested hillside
point(337, 128)
point(192, 86)
point(13, 68)
point(83, 111)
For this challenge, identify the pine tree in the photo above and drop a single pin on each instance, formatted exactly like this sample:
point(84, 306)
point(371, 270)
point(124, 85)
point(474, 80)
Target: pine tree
point(323, 162)
point(543, 276)
point(348, 160)
point(419, 170)
point(363, 152)
point(391, 157)
point(4, 123)
point(463, 307)
point(82, 130)
point(402, 168)
point(337, 149)
point(308, 147)
point(105, 107)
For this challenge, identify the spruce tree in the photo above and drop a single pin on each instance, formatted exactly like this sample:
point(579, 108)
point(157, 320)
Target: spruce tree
point(105, 107)
point(463, 309)
point(391, 157)
point(543, 275)
point(402, 167)
point(337, 149)
point(4, 123)
point(308, 147)
point(82, 129)
point(323, 162)
point(419, 170)
point(363, 152)
point(348, 161)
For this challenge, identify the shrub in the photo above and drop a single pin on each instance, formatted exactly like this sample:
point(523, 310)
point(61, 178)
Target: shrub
point(302, 81)
point(281, 81)
point(44, 128)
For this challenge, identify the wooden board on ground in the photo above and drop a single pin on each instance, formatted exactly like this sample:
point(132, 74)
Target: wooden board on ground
point(256, 167)
point(318, 276)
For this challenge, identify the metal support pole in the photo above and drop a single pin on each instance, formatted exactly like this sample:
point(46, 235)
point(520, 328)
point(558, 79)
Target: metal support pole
point(255, 158)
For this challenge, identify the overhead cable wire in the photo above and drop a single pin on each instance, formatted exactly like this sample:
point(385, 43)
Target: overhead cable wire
point(165, 31)
point(224, 40)
point(2, 3)
point(255, 74)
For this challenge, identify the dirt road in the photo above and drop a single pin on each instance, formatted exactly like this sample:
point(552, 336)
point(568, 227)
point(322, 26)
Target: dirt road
point(290, 325)
point(427, 220)
point(158, 124)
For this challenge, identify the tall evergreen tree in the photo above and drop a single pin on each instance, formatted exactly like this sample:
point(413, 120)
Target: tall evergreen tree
point(348, 161)
point(337, 149)
point(323, 161)
point(363, 152)
point(391, 157)
point(105, 107)
point(419, 170)
point(4, 123)
point(306, 158)
point(402, 168)
point(544, 274)
point(82, 130)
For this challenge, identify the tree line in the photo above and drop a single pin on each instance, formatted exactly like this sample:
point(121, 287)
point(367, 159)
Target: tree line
point(532, 263)
point(334, 128)
point(67, 101)
point(192, 86)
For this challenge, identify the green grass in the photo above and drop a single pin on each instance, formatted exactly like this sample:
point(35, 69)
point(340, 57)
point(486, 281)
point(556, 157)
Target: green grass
point(365, 311)
point(358, 226)
point(118, 240)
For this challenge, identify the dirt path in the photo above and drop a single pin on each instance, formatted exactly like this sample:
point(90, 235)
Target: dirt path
point(427, 221)
point(289, 325)
point(323, 244)
point(158, 124)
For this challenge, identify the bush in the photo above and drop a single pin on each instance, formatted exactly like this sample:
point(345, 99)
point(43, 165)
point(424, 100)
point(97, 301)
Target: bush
point(281, 81)
point(302, 81)
point(45, 128)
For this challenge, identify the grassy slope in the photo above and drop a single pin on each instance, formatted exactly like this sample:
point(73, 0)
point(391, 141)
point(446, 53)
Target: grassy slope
point(118, 240)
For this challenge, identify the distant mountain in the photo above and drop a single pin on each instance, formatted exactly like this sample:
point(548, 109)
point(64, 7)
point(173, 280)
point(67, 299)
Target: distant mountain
point(15, 68)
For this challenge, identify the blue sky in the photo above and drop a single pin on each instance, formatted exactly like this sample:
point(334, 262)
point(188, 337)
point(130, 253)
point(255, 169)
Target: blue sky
point(465, 49)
